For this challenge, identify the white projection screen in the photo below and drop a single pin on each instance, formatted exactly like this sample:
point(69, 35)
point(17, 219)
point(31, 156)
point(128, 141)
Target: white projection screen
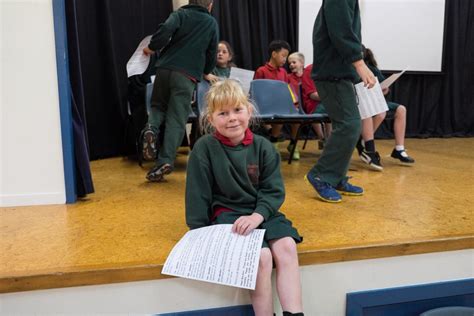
point(401, 33)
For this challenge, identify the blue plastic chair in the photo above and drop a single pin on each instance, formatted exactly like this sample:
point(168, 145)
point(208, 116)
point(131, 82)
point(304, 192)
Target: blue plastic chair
point(202, 88)
point(275, 104)
point(148, 92)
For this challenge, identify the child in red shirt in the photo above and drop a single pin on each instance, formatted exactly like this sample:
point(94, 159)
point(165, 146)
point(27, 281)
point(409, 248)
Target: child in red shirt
point(274, 70)
point(300, 78)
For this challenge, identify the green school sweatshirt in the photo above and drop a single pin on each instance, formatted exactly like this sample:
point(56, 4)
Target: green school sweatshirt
point(245, 179)
point(187, 41)
point(337, 40)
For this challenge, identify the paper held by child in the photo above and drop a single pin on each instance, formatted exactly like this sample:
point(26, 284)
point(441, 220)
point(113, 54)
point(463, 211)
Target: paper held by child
point(243, 76)
point(138, 63)
point(371, 101)
point(390, 80)
point(215, 254)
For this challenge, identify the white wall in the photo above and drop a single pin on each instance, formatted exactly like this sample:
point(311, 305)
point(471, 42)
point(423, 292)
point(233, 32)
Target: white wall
point(401, 33)
point(179, 3)
point(31, 163)
point(324, 288)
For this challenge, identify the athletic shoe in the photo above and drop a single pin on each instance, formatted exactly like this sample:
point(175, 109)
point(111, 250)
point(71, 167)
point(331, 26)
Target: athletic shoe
point(296, 154)
point(323, 189)
point(149, 142)
point(402, 156)
point(157, 174)
point(372, 158)
point(346, 188)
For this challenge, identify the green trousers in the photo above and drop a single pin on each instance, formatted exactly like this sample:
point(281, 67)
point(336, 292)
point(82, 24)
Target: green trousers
point(170, 105)
point(340, 101)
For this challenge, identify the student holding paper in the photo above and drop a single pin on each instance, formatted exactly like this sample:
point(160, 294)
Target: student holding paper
point(274, 70)
point(233, 177)
point(366, 146)
point(187, 42)
point(225, 54)
point(337, 64)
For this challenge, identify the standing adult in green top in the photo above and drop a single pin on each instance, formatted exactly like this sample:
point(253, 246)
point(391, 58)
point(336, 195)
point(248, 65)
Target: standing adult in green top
point(187, 44)
point(337, 64)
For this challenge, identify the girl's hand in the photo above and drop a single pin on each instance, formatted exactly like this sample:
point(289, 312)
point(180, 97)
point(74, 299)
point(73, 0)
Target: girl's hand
point(385, 91)
point(211, 78)
point(244, 225)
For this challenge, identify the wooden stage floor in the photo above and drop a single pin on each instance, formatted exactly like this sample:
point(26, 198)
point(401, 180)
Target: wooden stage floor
point(125, 230)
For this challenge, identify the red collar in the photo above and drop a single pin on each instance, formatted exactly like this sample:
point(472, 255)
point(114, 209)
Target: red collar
point(271, 67)
point(248, 138)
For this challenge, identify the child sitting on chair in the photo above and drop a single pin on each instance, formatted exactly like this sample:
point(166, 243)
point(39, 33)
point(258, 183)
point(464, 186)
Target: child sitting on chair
point(300, 79)
point(366, 145)
point(233, 177)
point(274, 70)
point(225, 54)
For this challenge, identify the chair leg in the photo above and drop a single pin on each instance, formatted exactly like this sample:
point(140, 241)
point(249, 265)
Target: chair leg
point(294, 147)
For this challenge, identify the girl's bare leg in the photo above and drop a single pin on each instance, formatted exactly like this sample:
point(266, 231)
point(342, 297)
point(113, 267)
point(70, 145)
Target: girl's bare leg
point(288, 281)
point(261, 297)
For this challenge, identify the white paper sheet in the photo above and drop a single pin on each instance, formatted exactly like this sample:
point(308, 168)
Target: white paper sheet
point(139, 61)
point(371, 101)
point(215, 254)
point(243, 76)
point(390, 80)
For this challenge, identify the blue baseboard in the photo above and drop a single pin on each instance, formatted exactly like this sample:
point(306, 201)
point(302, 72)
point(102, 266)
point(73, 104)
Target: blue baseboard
point(411, 300)
point(243, 310)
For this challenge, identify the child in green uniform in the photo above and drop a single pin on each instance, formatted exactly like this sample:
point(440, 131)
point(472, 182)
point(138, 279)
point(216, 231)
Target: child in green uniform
point(337, 64)
point(187, 43)
point(225, 54)
point(233, 177)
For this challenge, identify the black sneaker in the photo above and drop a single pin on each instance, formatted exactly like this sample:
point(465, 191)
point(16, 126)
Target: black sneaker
point(402, 156)
point(372, 158)
point(157, 174)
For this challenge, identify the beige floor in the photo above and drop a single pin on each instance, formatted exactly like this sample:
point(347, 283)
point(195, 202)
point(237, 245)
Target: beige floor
point(125, 230)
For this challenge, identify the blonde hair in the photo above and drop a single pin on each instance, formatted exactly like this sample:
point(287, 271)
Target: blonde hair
point(224, 93)
point(297, 55)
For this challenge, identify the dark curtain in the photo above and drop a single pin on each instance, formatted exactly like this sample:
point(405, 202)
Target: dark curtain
point(102, 36)
point(250, 25)
point(442, 105)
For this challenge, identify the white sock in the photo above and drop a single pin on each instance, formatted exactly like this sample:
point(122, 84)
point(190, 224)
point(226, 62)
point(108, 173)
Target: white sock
point(399, 147)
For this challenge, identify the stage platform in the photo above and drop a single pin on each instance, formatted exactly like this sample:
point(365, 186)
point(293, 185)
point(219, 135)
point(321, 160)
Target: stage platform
point(125, 230)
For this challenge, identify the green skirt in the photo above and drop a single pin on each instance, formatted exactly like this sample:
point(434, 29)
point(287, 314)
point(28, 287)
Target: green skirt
point(277, 226)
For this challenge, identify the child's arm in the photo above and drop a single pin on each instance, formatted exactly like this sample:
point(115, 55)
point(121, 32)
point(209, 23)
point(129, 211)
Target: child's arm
point(315, 96)
point(165, 32)
point(364, 73)
point(259, 74)
point(211, 78)
point(271, 192)
point(199, 181)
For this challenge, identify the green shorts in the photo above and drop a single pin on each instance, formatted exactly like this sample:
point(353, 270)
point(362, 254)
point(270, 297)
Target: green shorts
point(277, 226)
point(320, 109)
point(392, 106)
